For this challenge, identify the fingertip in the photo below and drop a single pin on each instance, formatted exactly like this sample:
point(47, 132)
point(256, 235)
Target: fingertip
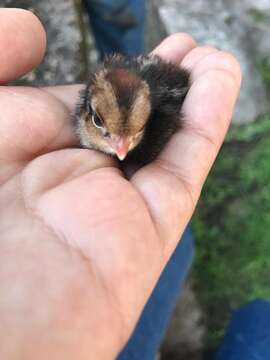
point(179, 37)
point(175, 47)
point(196, 55)
point(231, 63)
point(216, 80)
point(22, 43)
point(222, 61)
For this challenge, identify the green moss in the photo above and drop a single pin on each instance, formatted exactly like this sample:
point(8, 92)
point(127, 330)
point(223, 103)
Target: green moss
point(250, 132)
point(264, 68)
point(21, 82)
point(259, 16)
point(79, 10)
point(228, 20)
point(231, 227)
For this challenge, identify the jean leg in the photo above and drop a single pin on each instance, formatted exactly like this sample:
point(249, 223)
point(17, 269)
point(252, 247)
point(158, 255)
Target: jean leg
point(118, 25)
point(149, 332)
point(248, 335)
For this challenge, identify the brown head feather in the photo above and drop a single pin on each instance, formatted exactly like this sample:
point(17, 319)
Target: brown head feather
point(122, 99)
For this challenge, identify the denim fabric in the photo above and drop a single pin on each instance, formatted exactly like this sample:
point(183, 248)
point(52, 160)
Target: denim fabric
point(148, 334)
point(118, 25)
point(248, 335)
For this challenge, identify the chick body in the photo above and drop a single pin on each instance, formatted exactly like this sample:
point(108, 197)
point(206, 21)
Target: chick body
point(141, 99)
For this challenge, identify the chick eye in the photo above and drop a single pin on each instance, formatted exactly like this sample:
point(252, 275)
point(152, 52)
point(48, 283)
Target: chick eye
point(97, 122)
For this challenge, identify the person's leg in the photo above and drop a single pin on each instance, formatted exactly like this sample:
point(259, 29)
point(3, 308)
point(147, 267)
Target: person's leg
point(149, 332)
point(248, 335)
point(118, 25)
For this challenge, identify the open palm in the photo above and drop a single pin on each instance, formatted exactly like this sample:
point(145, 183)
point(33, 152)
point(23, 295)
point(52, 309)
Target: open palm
point(81, 245)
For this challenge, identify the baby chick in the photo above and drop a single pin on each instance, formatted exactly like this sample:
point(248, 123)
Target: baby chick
point(131, 107)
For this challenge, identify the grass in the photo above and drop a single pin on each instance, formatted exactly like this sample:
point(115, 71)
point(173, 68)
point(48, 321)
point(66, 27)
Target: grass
point(264, 68)
point(259, 16)
point(231, 227)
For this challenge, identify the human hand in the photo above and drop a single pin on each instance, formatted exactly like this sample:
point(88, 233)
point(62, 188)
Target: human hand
point(81, 246)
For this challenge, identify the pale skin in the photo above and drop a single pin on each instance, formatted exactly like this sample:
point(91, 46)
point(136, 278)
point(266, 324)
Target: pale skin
point(82, 247)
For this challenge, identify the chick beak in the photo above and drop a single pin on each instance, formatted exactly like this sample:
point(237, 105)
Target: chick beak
point(120, 145)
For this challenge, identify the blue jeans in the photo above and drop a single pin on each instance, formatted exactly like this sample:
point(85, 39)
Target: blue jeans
point(117, 25)
point(145, 342)
point(248, 335)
